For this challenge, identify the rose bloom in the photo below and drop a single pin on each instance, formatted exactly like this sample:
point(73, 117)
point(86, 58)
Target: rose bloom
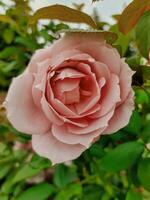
point(70, 94)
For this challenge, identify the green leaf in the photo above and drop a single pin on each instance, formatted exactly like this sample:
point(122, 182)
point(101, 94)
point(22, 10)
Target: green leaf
point(146, 72)
point(27, 42)
point(122, 40)
point(96, 150)
point(64, 175)
point(135, 123)
point(71, 191)
point(145, 134)
point(9, 52)
point(133, 195)
point(8, 35)
point(3, 149)
point(62, 13)
point(142, 34)
point(40, 191)
point(92, 192)
point(17, 190)
point(141, 97)
point(26, 171)
point(9, 67)
point(144, 173)
point(132, 14)
point(122, 157)
point(4, 170)
point(4, 197)
point(39, 162)
point(6, 19)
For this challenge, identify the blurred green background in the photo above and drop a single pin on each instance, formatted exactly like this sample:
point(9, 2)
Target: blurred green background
point(117, 167)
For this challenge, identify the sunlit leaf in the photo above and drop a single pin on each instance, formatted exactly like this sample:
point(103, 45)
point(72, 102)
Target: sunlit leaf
point(6, 19)
point(62, 13)
point(132, 14)
point(122, 40)
point(133, 195)
point(4, 197)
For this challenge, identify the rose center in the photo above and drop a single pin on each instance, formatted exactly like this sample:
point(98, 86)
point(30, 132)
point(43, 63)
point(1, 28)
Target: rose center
point(71, 89)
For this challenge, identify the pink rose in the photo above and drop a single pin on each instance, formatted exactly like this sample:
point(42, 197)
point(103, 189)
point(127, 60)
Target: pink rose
point(70, 94)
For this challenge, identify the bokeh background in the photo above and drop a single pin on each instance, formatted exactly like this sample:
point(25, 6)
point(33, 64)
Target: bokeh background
point(117, 167)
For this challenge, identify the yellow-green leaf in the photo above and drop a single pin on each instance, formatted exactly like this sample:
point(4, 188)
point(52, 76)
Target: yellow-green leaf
point(62, 13)
point(132, 14)
point(6, 19)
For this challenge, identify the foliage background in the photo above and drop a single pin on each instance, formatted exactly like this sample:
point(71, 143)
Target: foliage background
point(117, 167)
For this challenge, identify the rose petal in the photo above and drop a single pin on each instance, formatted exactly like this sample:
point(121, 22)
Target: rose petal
point(39, 56)
point(61, 133)
point(50, 113)
point(100, 70)
point(40, 80)
point(57, 59)
point(103, 53)
point(48, 146)
point(69, 73)
point(58, 105)
point(66, 85)
point(72, 97)
point(57, 119)
point(94, 125)
point(125, 80)
point(74, 39)
point(122, 115)
point(21, 110)
point(110, 96)
point(86, 104)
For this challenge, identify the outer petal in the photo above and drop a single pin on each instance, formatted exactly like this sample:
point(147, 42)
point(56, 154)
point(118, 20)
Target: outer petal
point(48, 146)
point(110, 96)
point(72, 54)
point(22, 112)
point(62, 134)
point(57, 119)
point(74, 39)
point(40, 81)
point(103, 53)
point(125, 80)
point(50, 113)
point(39, 56)
point(122, 115)
point(101, 122)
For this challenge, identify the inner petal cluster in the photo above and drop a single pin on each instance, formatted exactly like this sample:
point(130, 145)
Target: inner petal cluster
point(74, 90)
